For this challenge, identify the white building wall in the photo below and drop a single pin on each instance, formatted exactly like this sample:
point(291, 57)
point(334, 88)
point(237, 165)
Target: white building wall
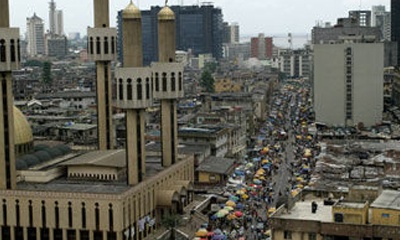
point(330, 86)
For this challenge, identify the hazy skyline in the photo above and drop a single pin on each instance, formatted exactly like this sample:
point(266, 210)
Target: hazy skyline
point(254, 16)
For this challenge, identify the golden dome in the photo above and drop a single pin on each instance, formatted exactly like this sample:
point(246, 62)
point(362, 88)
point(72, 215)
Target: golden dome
point(131, 11)
point(166, 14)
point(22, 129)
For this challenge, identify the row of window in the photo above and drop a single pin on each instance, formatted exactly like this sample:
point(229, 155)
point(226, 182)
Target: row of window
point(148, 86)
point(349, 83)
point(44, 234)
point(93, 176)
point(99, 45)
point(14, 54)
point(57, 217)
point(139, 89)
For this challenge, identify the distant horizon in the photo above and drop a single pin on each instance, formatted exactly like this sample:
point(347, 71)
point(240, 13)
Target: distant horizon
point(256, 16)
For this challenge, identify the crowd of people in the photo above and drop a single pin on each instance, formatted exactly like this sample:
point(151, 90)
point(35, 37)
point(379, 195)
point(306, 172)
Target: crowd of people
point(277, 166)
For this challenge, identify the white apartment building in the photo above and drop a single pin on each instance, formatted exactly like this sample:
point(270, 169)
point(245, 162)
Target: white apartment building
point(348, 83)
point(35, 36)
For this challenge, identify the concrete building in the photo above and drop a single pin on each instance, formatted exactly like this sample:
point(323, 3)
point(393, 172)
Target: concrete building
point(382, 19)
point(363, 17)
point(237, 52)
point(343, 27)
point(85, 196)
point(339, 219)
point(348, 82)
point(295, 63)
point(56, 46)
point(231, 33)
point(35, 36)
point(261, 47)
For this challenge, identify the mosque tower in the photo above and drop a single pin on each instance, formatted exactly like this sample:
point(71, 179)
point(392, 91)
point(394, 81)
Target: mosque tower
point(102, 49)
point(134, 93)
point(168, 84)
point(9, 61)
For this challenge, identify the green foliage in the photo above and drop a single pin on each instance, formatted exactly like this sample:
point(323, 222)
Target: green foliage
point(33, 63)
point(210, 67)
point(207, 81)
point(46, 73)
point(170, 221)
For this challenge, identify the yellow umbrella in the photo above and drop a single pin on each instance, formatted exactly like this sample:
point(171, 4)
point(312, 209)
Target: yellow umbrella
point(267, 233)
point(231, 216)
point(309, 137)
point(202, 232)
point(264, 161)
point(299, 179)
point(299, 186)
point(245, 196)
point(230, 203)
point(240, 192)
point(298, 137)
point(271, 210)
point(262, 178)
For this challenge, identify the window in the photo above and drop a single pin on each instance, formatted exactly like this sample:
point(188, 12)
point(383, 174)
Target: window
point(2, 50)
point(139, 91)
point(385, 215)
point(287, 235)
point(312, 236)
point(98, 45)
point(173, 82)
point(12, 50)
point(129, 89)
point(105, 45)
point(157, 83)
point(164, 82)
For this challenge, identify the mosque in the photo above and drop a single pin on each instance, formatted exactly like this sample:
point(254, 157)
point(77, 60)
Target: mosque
point(108, 194)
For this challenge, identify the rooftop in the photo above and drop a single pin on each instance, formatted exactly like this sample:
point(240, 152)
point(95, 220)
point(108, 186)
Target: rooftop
point(388, 199)
point(216, 165)
point(302, 211)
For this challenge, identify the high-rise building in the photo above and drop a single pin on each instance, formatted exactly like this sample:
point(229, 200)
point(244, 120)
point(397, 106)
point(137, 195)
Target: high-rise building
point(381, 19)
point(35, 35)
point(348, 82)
point(198, 28)
point(231, 33)
point(395, 22)
point(56, 20)
point(261, 47)
point(295, 63)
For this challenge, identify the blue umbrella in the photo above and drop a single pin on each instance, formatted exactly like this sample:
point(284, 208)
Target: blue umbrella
point(257, 159)
point(239, 206)
point(213, 217)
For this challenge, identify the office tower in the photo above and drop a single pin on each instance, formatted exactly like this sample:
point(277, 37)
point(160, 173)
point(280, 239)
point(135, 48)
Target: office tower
point(348, 82)
point(198, 28)
point(35, 35)
point(168, 84)
point(9, 61)
point(295, 63)
point(102, 49)
point(395, 22)
point(134, 93)
point(261, 47)
point(363, 17)
point(52, 17)
point(231, 33)
point(381, 19)
point(56, 20)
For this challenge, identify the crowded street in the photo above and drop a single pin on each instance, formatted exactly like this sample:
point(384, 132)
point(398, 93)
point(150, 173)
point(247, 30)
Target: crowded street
point(277, 167)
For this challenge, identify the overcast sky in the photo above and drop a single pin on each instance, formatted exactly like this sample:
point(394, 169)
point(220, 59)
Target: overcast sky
point(254, 16)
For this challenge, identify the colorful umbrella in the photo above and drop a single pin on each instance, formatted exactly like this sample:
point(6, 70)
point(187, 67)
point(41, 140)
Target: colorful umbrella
point(231, 217)
point(238, 213)
point(223, 211)
point(229, 208)
point(202, 232)
point(230, 203)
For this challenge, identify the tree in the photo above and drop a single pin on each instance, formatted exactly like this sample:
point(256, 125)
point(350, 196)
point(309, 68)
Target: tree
point(210, 66)
point(171, 222)
point(46, 73)
point(207, 81)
